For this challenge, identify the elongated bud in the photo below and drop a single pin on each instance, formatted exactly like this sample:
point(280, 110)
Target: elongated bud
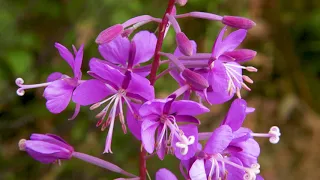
point(109, 34)
point(184, 44)
point(238, 22)
point(195, 80)
point(181, 2)
point(241, 55)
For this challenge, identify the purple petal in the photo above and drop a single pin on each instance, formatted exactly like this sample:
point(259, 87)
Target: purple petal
point(58, 95)
point(65, 54)
point(111, 75)
point(54, 76)
point(236, 114)
point(90, 92)
point(187, 107)
point(189, 130)
point(78, 62)
point(197, 170)
point(148, 129)
point(152, 107)
point(233, 40)
point(50, 138)
point(259, 177)
point(141, 87)
point(116, 51)
point(134, 124)
point(164, 174)
point(242, 134)
point(219, 140)
point(219, 97)
point(233, 172)
point(186, 118)
point(250, 152)
point(218, 77)
point(46, 152)
point(145, 46)
point(217, 47)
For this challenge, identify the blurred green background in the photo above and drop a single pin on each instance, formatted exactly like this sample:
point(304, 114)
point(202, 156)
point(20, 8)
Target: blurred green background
point(285, 92)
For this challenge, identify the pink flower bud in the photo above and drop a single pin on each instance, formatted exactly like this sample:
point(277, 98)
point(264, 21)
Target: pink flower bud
point(241, 55)
point(195, 80)
point(184, 44)
point(238, 22)
point(109, 34)
point(181, 2)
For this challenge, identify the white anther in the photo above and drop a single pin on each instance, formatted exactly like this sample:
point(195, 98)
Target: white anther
point(19, 81)
point(275, 135)
point(20, 92)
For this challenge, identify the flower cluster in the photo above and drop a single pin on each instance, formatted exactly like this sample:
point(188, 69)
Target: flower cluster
point(120, 89)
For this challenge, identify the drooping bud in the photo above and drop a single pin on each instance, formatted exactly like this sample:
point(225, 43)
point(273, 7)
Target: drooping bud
point(241, 55)
point(46, 148)
point(181, 2)
point(109, 34)
point(238, 22)
point(184, 44)
point(195, 80)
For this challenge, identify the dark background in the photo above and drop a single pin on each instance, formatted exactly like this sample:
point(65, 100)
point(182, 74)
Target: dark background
point(285, 92)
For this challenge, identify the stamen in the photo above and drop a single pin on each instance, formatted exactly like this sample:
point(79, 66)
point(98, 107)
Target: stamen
point(121, 117)
point(184, 142)
point(110, 132)
point(245, 86)
point(247, 78)
point(238, 93)
point(98, 104)
point(20, 83)
point(251, 69)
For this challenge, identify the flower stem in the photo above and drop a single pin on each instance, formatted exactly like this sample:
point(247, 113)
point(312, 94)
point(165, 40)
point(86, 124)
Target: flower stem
point(153, 75)
point(101, 163)
point(162, 27)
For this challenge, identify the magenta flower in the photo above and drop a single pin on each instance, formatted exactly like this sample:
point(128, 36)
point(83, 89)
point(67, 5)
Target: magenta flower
point(165, 174)
point(124, 55)
point(114, 88)
point(46, 148)
point(224, 73)
point(163, 114)
point(59, 87)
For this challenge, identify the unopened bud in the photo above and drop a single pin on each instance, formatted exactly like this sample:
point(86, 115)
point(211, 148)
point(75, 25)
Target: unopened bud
point(181, 2)
point(184, 44)
point(238, 22)
point(241, 55)
point(195, 80)
point(109, 34)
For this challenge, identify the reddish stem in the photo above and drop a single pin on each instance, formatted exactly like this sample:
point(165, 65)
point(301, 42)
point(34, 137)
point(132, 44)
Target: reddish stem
point(162, 28)
point(154, 69)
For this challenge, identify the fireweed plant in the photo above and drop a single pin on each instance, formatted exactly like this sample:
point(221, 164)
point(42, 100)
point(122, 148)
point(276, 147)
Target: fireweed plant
point(120, 89)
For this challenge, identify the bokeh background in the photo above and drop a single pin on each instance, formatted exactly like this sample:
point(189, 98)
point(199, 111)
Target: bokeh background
point(285, 92)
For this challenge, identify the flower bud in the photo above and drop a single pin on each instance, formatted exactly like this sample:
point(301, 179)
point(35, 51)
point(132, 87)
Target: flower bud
point(109, 34)
point(238, 22)
point(241, 55)
point(181, 2)
point(195, 80)
point(46, 148)
point(184, 44)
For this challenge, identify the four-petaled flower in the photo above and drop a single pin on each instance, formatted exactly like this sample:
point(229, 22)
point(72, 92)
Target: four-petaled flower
point(163, 114)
